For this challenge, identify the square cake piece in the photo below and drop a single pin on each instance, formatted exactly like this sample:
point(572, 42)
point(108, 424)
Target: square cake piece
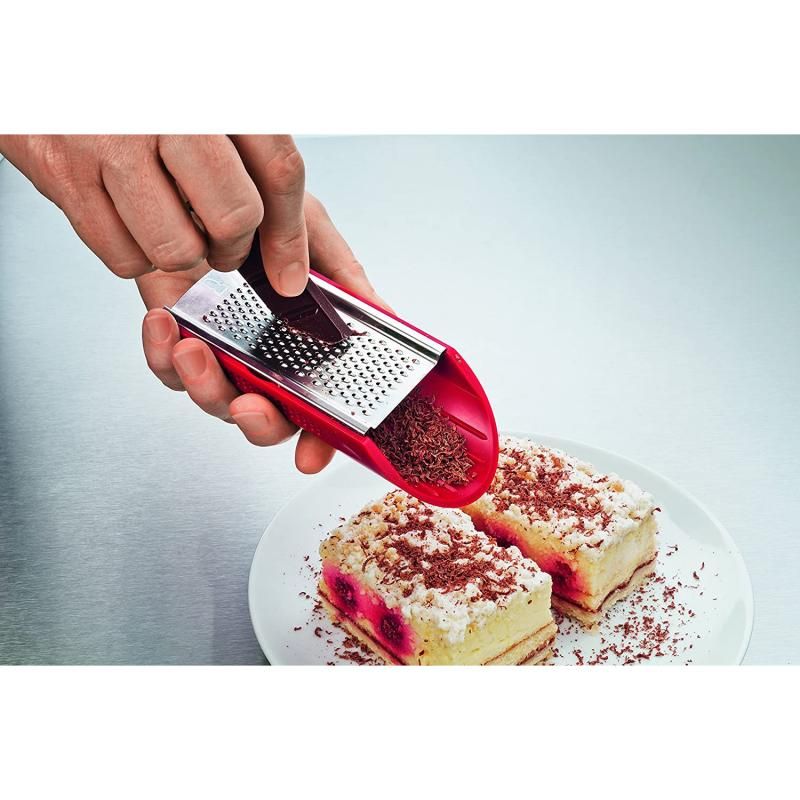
point(420, 585)
point(595, 534)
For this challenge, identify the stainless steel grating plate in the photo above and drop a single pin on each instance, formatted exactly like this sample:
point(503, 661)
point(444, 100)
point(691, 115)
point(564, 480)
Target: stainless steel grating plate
point(359, 381)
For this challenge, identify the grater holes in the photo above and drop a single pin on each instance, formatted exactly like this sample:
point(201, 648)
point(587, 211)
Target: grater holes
point(360, 375)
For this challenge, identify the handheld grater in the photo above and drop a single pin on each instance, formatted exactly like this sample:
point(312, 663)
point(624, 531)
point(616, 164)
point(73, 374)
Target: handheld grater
point(342, 391)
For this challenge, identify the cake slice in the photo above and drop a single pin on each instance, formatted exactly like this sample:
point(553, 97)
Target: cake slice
point(595, 534)
point(420, 585)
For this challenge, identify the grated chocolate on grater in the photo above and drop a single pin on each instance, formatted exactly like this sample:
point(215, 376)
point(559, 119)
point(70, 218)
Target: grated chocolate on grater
point(423, 445)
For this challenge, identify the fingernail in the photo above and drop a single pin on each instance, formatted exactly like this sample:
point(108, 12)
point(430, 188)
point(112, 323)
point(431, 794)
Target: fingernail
point(292, 279)
point(192, 362)
point(158, 327)
point(255, 422)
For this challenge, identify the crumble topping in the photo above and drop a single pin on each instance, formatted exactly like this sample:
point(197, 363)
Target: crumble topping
point(430, 563)
point(582, 506)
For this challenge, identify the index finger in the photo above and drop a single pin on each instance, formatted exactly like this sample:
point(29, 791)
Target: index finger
point(277, 169)
point(211, 175)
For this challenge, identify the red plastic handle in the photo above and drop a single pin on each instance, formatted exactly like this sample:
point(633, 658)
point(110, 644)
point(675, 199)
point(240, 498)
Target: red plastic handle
point(453, 384)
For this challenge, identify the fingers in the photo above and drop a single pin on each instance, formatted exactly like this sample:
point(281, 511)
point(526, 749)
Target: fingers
point(278, 172)
point(184, 363)
point(263, 425)
point(203, 378)
point(96, 221)
point(312, 454)
point(150, 207)
point(159, 289)
point(260, 421)
point(159, 337)
point(190, 364)
point(211, 174)
point(65, 170)
point(331, 255)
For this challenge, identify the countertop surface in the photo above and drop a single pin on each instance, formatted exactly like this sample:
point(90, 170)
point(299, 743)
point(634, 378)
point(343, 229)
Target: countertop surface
point(637, 294)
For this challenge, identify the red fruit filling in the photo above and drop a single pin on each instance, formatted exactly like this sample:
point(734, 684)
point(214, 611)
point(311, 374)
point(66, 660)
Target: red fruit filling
point(504, 535)
point(392, 629)
point(358, 602)
point(346, 592)
point(566, 581)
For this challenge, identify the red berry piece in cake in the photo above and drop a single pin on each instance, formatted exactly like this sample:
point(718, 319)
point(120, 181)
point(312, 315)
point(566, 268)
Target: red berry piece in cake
point(396, 633)
point(345, 591)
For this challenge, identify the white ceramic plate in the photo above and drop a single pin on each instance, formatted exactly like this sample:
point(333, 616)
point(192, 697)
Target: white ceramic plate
point(699, 568)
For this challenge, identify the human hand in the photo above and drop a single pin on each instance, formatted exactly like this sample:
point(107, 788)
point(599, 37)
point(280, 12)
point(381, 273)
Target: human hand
point(173, 202)
point(163, 210)
point(190, 365)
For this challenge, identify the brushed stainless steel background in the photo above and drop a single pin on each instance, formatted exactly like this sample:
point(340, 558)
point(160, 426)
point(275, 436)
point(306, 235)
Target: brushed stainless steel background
point(639, 294)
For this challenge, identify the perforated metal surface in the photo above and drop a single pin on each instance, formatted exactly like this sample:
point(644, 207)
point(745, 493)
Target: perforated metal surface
point(359, 381)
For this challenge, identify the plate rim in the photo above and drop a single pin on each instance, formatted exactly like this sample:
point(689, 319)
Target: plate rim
point(725, 535)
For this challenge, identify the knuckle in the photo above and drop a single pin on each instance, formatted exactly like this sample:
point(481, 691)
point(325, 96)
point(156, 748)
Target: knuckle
point(173, 255)
point(167, 377)
point(226, 262)
point(356, 268)
point(210, 146)
point(313, 207)
point(129, 268)
point(238, 222)
point(172, 382)
point(171, 141)
point(154, 366)
point(118, 151)
point(52, 157)
point(82, 216)
point(213, 405)
point(351, 270)
point(55, 172)
point(285, 171)
point(126, 164)
point(287, 241)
